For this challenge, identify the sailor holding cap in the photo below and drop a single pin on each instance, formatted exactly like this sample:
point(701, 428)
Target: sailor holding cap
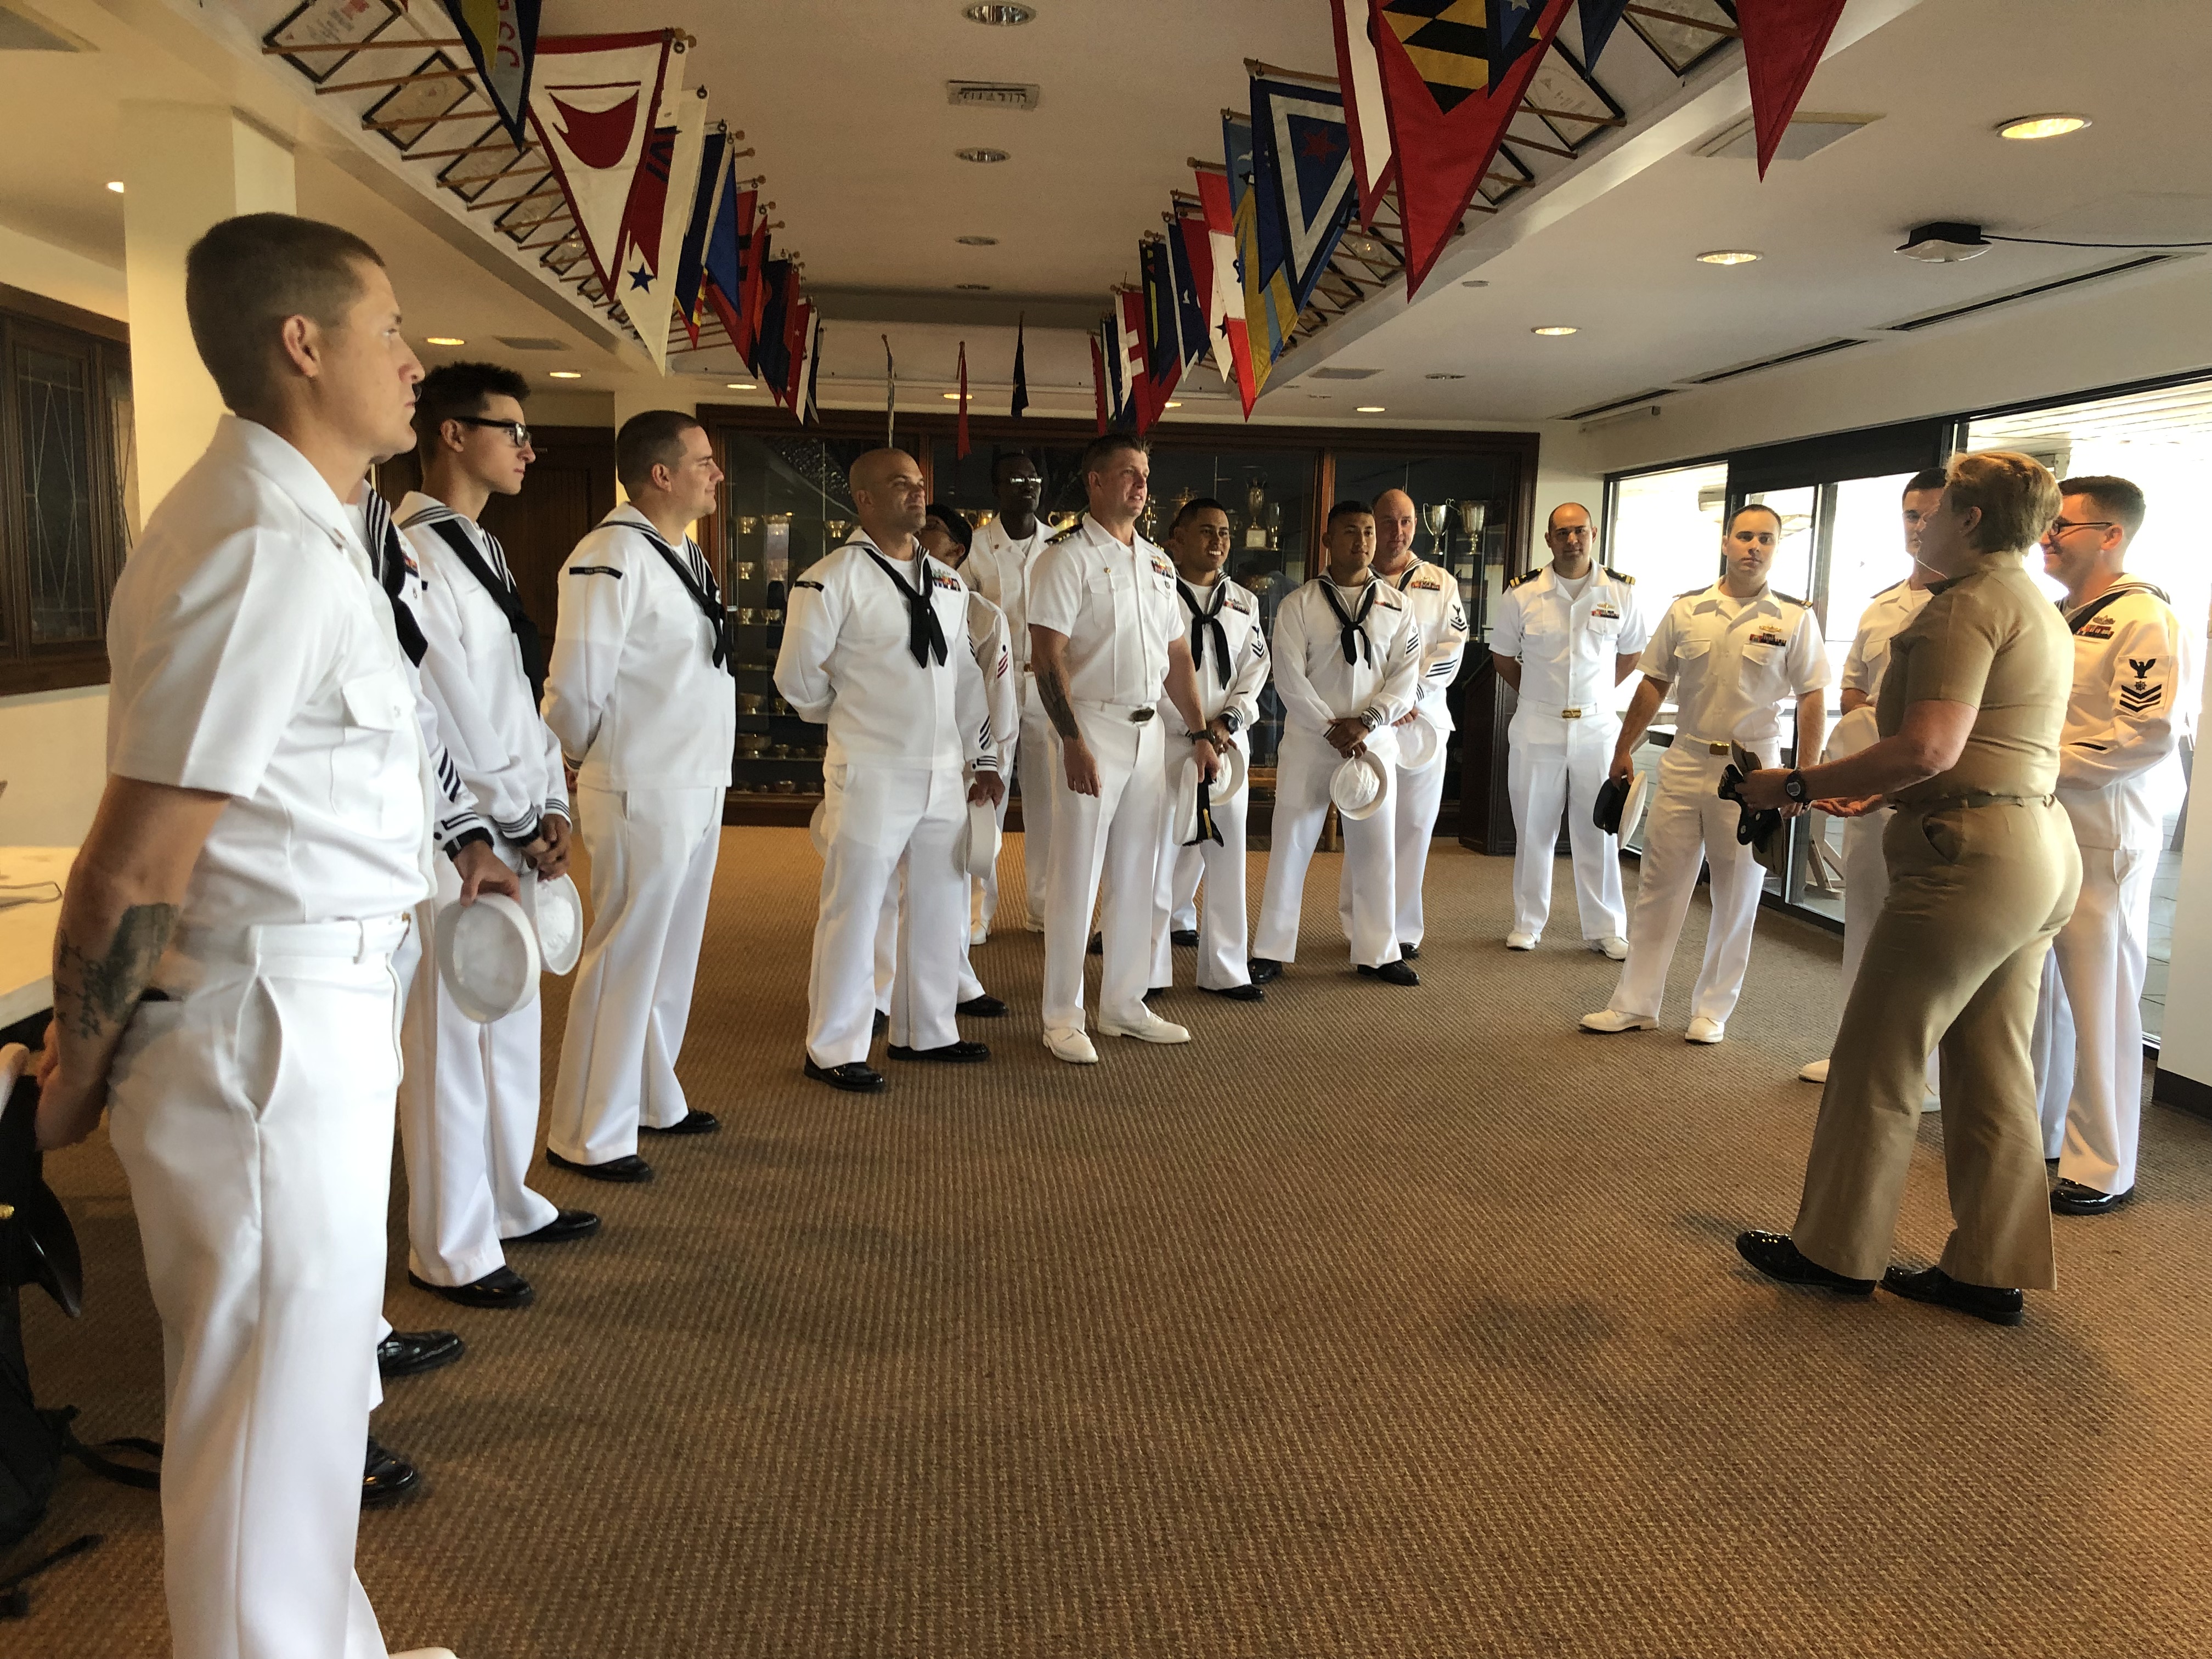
point(1231, 657)
point(1347, 666)
point(1733, 653)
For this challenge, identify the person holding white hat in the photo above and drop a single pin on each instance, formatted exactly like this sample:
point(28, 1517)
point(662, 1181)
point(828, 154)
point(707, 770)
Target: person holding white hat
point(1347, 655)
point(876, 648)
point(1732, 653)
point(1424, 732)
point(1229, 655)
point(1565, 635)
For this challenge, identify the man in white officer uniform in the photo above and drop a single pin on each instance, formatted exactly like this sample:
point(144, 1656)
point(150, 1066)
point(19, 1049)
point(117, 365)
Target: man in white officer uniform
point(1001, 560)
point(468, 1102)
point(1231, 659)
point(1348, 659)
point(1565, 636)
point(875, 646)
point(264, 834)
point(1866, 871)
point(2133, 700)
point(642, 696)
point(1732, 653)
point(1105, 639)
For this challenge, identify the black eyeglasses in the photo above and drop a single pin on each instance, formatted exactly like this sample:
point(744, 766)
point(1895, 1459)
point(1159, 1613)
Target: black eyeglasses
point(517, 434)
point(2060, 526)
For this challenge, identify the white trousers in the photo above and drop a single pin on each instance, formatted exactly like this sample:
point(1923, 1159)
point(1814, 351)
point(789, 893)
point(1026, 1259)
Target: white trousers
point(1690, 824)
point(2089, 1024)
point(1866, 889)
point(1304, 763)
point(887, 941)
point(468, 1115)
point(1416, 798)
point(253, 1113)
point(1110, 840)
point(872, 818)
point(1042, 757)
point(653, 868)
point(1553, 763)
point(1223, 959)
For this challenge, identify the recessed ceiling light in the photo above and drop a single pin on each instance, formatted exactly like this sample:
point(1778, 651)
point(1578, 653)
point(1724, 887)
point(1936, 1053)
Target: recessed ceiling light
point(1728, 256)
point(1552, 331)
point(1172, 403)
point(115, 185)
point(977, 241)
point(564, 374)
point(443, 339)
point(984, 157)
point(1001, 16)
point(1441, 376)
point(2042, 126)
point(973, 287)
point(1370, 409)
point(951, 397)
point(742, 386)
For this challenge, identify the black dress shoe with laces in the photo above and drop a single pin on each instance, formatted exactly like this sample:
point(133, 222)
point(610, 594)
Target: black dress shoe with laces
point(854, 1076)
point(881, 1024)
point(1185, 938)
point(1264, 971)
point(952, 1054)
point(386, 1477)
point(2072, 1198)
point(627, 1171)
point(502, 1287)
point(1236, 992)
point(1391, 973)
point(567, 1225)
point(1777, 1255)
point(691, 1123)
point(410, 1353)
point(986, 1007)
point(1411, 952)
point(1935, 1287)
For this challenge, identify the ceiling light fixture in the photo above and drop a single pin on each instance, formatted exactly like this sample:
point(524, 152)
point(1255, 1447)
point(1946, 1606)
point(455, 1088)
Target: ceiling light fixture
point(1001, 16)
point(443, 339)
point(564, 374)
point(2042, 126)
point(1943, 242)
point(741, 385)
point(1475, 283)
point(973, 287)
point(1728, 256)
point(977, 241)
point(982, 157)
point(1172, 403)
point(1441, 376)
point(1555, 331)
point(1370, 409)
point(115, 185)
point(950, 396)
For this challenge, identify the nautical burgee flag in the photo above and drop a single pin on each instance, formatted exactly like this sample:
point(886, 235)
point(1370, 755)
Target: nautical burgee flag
point(1020, 400)
point(1129, 335)
point(592, 102)
point(706, 201)
point(659, 214)
point(1269, 315)
point(1225, 311)
point(724, 268)
point(1598, 19)
point(1163, 325)
point(1360, 74)
point(1301, 145)
point(501, 39)
point(1191, 263)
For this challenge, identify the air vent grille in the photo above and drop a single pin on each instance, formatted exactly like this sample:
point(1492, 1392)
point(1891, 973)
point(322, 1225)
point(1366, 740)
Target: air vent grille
point(1344, 374)
point(529, 343)
point(1911, 325)
point(1621, 403)
point(1821, 350)
point(990, 94)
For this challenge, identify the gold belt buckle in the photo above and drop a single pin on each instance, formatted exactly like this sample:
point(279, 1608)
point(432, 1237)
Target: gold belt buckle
point(1719, 748)
point(1571, 714)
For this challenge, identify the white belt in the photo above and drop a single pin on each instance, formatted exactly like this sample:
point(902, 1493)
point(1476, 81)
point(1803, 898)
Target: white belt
point(356, 941)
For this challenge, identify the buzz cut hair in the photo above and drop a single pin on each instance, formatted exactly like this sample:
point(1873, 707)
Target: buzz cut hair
point(652, 439)
point(1755, 507)
point(1105, 447)
point(1006, 458)
point(1345, 509)
point(1191, 509)
point(248, 275)
point(1928, 477)
point(2118, 499)
point(453, 392)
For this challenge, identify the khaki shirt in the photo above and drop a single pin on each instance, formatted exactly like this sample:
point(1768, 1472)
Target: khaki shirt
point(1992, 641)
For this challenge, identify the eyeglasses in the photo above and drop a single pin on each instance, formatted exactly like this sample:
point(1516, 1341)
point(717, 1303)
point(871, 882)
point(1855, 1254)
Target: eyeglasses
point(517, 434)
point(2060, 526)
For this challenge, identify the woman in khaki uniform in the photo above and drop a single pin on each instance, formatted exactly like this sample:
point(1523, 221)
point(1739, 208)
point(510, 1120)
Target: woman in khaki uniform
point(1983, 873)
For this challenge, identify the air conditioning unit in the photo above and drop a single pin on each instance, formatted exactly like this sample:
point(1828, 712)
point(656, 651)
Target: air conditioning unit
point(990, 94)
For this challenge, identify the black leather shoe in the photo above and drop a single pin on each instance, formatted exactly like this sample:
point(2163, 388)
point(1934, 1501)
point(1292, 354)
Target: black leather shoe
point(880, 1025)
point(1933, 1286)
point(1391, 973)
point(952, 1054)
point(1236, 992)
point(2072, 1198)
point(626, 1170)
point(386, 1477)
point(855, 1076)
point(502, 1287)
point(410, 1353)
point(986, 1007)
point(1186, 937)
point(1098, 946)
point(1777, 1255)
point(567, 1225)
point(1411, 952)
point(1264, 971)
point(691, 1123)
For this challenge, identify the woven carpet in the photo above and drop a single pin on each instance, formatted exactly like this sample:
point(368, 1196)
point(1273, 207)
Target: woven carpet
point(1373, 1322)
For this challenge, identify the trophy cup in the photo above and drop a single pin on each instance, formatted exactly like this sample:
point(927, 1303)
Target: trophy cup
point(1273, 517)
point(1432, 517)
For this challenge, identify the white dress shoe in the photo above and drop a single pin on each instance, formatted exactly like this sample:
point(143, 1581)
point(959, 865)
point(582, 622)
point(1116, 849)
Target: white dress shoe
point(977, 935)
point(1814, 1071)
point(1073, 1047)
point(1612, 1019)
point(1613, 947)
point(1520, 941)
point(425, 1653)
point(1149, 1028)
point(1704, 1030)
point(1034, 924)
point(1930, 1104)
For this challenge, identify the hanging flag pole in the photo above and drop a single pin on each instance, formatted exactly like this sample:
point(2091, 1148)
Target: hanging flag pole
point(1021, 398)
point(960, 446)
point(890, 393)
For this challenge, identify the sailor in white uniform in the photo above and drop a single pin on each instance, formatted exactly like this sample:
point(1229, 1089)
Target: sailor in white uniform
point(1348, 659)
point(875, 646)
point(1866, 871)
point(469, 1103)
point(2135, 686)
point(1564, 636)
point(1732, 653)
point(1001, 561)
point(1230, 657)
point(1106, 638)
point(641, 694)
point(264, 835)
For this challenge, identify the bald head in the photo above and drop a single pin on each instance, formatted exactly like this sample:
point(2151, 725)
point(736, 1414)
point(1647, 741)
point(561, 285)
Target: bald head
point(889, 498)
point(1394, 531)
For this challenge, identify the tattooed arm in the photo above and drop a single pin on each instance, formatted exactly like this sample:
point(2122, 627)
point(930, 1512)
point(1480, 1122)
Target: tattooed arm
point(116, 917)
point(1048, 661)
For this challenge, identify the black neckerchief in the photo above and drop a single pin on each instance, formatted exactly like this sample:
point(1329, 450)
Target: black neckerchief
point(1411, 565)
point(2077, 620)
point(388, 554)
point(1207, 618)
point(924, 634)
point(1353, 626)
point(708, 599)
point(448, 529)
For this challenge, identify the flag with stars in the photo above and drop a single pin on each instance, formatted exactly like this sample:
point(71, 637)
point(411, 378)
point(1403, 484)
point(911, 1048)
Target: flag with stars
point(706, 203)
point(1225, 312)
point(1161, 319)
point(1300, 139)
point(659, 214)
point(1191, 262)
point(593, 103)
point(1511, 27)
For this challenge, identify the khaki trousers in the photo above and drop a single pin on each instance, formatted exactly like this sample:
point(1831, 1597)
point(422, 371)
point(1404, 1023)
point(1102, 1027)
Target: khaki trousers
point(1976, 896)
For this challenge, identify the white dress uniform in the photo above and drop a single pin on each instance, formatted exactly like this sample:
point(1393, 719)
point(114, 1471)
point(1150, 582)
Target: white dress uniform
point(253, 654)
point(468, 1107)
point(2134, 695)
point(641, 695)
point(1116, 605)
point(1001, 568)
point(901, 733)
point(1338, 651)
point(1731, 664)
point(1568, 638)
point(1230, 655)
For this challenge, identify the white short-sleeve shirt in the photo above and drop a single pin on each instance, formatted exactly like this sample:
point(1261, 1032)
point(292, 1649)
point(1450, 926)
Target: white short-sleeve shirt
point(1732, 663)
point(1886, 614)
point(1569, 644)
point(1116, 605)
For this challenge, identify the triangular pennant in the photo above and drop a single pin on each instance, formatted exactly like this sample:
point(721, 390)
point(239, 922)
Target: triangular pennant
point(1225, 311)
point(1191, 263)
point(812, 409)
point(960, 444)
point(1021, 398)
point(1599, 19)
point(1098, 375)
point(771, 350)
point(1511, 27)
point(593, 103)
point(1783, 41)
point(706, 201)
point(500, 37)
point(725, 260)
point(659, 214)
point(1360, 74)
point(1300, 141)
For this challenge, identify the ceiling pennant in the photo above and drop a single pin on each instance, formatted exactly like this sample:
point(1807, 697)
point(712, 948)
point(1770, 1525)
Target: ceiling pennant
point(812, 411)
point(592, 102)
point(1357, 68)
point(1301, 141)
point(1232, 353)
point(501, 39)
point(1599, 18)
point(1783, 41)
point(659, 216)
point(1021, 398)
point(1264, 291)
point(1098, 377)
point(1136, 369)
point(1191, 263)
point(771, 349)
point(733, 216)
point(960, 444)
point(798, 332)
point(752, 302)
point(1511, 27)
point(1160, 317)
point(714, 166)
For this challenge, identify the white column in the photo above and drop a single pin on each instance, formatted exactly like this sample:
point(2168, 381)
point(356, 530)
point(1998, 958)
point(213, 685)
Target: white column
point(186, 167)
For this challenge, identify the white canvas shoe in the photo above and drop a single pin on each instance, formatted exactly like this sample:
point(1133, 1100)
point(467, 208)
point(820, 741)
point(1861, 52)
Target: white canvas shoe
point(1073, 1047)
point(1520, 941)
point(1149, 1028)
point(977, 935)
point(1704, 1030)
point(1612, 1019)
point(1814, 1071)
point(1613, 947)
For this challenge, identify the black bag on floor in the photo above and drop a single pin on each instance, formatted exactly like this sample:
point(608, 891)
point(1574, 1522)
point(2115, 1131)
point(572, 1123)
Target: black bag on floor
point(30, 1444)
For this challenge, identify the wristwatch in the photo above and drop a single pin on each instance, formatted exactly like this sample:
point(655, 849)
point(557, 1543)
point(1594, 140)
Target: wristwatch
point(1794, 787)
point(1231, 718)
point(1369, 719)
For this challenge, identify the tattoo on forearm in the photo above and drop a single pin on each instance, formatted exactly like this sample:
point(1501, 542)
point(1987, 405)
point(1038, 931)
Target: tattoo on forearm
point(1052, 692)
point(97, 993)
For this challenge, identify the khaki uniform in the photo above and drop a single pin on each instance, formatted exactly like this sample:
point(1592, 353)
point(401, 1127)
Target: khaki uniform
point(1982, 874)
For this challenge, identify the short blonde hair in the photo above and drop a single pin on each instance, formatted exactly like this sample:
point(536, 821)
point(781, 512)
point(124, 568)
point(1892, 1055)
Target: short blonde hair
point(2016, 493)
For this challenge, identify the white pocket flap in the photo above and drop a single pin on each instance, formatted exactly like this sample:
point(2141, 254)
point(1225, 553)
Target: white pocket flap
point(382, 702)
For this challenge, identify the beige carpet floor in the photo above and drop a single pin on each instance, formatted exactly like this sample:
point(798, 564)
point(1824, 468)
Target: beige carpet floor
point(1374, 1322)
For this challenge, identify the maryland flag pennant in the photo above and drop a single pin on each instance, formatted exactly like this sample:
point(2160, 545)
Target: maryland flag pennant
point(501, 39)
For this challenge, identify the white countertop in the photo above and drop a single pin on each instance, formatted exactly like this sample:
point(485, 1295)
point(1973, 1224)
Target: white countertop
point(26, 930)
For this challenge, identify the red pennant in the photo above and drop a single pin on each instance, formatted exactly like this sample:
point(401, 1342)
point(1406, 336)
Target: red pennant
point(797, 316)
point(737, 316)
point(960, 446)
point(1783, 41)
point(1098, 382)
point(1227, 311)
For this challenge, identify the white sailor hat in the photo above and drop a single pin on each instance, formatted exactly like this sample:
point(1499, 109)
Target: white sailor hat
point(1182, 805)
point(560, 925)
point(487, 956)
point(982, 838)
point(1420, 745)
point(1358, 786)
point(1855, 731)
point(1632, 809)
